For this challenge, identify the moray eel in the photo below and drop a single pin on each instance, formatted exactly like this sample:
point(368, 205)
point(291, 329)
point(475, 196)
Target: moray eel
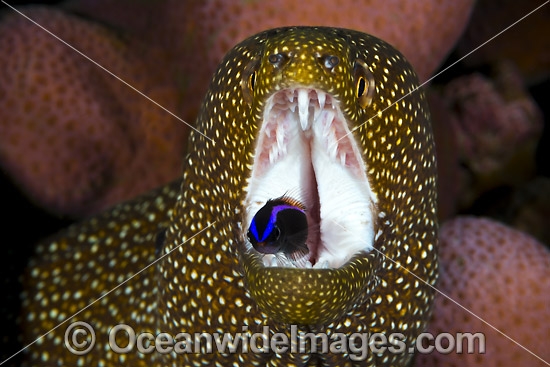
point(320, 111)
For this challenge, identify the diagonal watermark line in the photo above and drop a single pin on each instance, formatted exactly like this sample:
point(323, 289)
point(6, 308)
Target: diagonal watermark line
point(106, 294)
point(444, 70)
point(464, 308)
point(398, 265)
point(104, 68)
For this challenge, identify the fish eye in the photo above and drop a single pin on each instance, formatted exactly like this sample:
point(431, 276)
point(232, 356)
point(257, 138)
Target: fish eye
point(364, 83)
point(252, 81)
point(275, 234)
point(248, 82)
point(361, 87)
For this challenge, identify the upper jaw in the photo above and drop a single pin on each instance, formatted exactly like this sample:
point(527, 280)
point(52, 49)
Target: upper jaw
point(305, 151)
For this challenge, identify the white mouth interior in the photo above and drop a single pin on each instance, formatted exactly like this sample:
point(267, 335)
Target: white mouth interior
point(304, 152)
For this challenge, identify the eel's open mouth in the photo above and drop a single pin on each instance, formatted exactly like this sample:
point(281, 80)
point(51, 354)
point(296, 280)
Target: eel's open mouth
point(304, 152)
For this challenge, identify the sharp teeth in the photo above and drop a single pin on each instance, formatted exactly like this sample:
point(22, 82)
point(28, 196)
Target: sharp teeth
point(273, 261)
point(303, 107)
point(318, 112)
point(290, 96)
point(332, 145)
point(333, 148)
point(292, 107)
point(321, 96)
point(324, 122)
point(280, 136)
point(272, 154)
point(329, 133)
point(326, 126)
point(329, 117)
point(343, 158)
point(308, 265)
point(325, 265)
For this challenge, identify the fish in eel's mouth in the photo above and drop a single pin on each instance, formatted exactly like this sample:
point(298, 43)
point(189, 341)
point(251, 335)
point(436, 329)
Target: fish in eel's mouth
point(305, 150)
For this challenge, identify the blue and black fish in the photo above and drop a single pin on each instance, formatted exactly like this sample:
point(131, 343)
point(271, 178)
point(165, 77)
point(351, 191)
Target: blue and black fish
point(280, 226)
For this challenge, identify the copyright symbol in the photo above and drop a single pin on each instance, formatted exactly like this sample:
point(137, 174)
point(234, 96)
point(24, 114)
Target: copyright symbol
point(79, 338)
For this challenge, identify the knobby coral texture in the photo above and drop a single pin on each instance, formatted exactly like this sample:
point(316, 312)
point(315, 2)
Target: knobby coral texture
point(77, 140)
point(501, 275)
point(488, 128)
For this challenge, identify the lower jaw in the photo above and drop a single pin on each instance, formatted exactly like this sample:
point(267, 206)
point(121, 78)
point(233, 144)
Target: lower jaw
point(309, 296)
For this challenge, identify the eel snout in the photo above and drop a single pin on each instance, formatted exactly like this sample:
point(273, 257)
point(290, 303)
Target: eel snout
point(305, 150)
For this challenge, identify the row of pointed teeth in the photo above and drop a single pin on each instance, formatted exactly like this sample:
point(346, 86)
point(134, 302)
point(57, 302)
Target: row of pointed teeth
point(304, 102)
point(316, 110)
point(281, 260)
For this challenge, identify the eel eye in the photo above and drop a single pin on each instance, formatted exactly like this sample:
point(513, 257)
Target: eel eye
point(331, 61)
point(364, 83)
point(361, 87)
point(252, 81)
point(248, 82)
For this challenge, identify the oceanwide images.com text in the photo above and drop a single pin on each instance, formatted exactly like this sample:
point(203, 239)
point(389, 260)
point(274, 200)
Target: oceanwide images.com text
point(80, 338)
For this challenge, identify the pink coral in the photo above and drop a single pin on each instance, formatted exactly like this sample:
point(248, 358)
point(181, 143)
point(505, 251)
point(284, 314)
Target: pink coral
point(411, 26)
point(424, 31)
point(501, 275)
point(73, 136)
point(78, 140)
point(495, 117)
point(487, 129)
point(198, 34)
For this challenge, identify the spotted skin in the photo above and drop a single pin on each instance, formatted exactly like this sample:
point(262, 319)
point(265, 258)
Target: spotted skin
point(211, 284)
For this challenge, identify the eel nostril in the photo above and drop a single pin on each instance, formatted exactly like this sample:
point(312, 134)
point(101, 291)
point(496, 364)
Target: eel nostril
point(275, 58)
point(328, 61)
point(331, 61)
point(278, 60)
